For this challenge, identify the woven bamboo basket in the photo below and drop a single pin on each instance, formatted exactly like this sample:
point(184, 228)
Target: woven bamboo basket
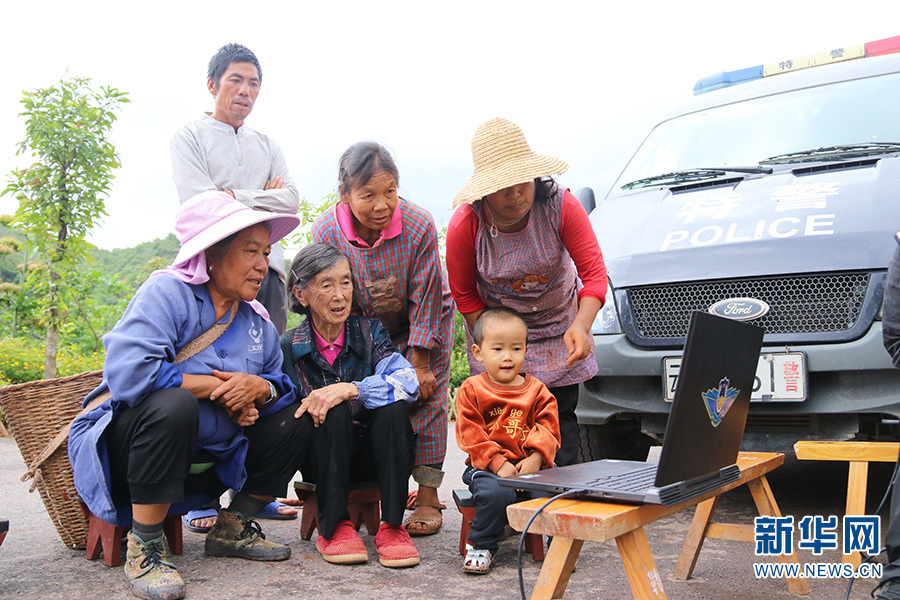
point(36, 412)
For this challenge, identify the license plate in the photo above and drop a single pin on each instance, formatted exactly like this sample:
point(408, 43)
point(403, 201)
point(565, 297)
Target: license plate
point(780, 377)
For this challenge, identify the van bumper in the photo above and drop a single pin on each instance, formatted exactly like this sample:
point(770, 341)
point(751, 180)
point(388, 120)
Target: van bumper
point(849, 384)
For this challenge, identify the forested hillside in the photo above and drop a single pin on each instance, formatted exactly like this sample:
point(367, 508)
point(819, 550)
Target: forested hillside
point(132, 262)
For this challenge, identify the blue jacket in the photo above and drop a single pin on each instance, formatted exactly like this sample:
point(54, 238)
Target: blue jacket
point(162, 317)
point(368, 359)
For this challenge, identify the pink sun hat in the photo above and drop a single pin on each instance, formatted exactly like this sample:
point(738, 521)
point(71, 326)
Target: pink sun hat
point(212, 216)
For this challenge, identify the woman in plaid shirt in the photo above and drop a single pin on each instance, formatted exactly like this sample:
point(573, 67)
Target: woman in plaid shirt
point(392, 245)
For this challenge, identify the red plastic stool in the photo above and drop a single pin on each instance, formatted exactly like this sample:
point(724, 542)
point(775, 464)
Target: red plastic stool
point(465, 503)
point(363, 504)
point(4, 527)
point(107, 538)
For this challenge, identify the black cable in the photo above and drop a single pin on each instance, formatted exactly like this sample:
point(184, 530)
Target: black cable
point(884, 498)
point(528, 524)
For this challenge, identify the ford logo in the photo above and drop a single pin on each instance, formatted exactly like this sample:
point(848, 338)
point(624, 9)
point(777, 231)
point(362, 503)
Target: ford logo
point(740, 309)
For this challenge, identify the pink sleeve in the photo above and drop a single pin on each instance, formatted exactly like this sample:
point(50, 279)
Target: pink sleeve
point(461, 265)
point(581, 243)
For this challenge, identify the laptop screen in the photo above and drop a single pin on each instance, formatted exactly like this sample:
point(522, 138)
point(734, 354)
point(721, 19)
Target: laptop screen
point(712, 397)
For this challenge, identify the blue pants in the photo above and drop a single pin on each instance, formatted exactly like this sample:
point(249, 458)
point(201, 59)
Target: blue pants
point(491, 501)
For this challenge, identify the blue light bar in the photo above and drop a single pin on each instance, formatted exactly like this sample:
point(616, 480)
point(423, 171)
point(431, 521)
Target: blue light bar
point(727, 78)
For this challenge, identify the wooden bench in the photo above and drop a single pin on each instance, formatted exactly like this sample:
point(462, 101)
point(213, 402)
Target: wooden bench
point(858, 455)
point(574, 521)
point(465, 503)
point(363, 504)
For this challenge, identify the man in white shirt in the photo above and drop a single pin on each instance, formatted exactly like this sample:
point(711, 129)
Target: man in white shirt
point(219, 152)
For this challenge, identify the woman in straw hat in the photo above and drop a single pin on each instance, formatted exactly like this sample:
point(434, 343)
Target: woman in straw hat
point(193, 400)
point(392, 245)
point(519, 240)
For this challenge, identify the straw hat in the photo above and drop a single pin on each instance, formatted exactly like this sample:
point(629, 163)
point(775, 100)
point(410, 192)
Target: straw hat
point(210, 217)
point(502, 159)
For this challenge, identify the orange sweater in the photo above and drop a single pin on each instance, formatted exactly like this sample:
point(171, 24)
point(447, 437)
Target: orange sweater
point(496, 423)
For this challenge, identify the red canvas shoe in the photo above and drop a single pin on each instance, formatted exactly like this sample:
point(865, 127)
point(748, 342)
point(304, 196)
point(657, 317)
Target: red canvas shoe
point(345, 547)
point(395, 548)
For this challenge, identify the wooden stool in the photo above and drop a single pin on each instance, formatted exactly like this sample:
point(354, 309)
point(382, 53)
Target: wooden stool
point(859, 455)
point(465, 503)
point(363, 504)
point(107, 538)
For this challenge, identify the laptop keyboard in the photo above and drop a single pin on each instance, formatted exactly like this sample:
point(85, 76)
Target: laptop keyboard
point(629, 481)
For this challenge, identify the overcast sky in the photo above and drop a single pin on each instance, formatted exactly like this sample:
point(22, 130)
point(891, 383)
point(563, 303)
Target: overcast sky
point(585, 80)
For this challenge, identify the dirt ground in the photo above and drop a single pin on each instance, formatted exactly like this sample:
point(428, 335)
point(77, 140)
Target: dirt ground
point(35, 564)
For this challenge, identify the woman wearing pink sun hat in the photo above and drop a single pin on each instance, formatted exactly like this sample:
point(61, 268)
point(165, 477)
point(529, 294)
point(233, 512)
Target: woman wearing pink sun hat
point(193, 400)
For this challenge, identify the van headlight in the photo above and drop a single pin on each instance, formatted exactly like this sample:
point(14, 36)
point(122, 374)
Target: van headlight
point(607, 320)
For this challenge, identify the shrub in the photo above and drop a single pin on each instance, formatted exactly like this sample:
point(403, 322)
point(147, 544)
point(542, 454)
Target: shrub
point(22, 360)
point(459, 368)
point(459, 363)
point(72, 362)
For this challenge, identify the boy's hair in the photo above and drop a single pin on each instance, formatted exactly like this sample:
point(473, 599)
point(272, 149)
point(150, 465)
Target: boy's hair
point(494, 314)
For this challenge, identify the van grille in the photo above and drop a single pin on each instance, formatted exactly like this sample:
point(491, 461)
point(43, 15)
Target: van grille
point(807, 304)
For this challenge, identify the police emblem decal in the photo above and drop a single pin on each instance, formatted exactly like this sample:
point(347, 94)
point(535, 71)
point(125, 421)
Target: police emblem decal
point(718, 401)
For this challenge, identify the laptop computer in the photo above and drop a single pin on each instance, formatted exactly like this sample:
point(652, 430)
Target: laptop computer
point(703, 433)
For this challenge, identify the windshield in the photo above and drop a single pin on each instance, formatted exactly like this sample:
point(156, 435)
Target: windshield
point(744, 133)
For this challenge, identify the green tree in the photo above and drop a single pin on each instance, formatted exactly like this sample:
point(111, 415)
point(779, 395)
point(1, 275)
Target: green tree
point(61, 196)
point(309, 212)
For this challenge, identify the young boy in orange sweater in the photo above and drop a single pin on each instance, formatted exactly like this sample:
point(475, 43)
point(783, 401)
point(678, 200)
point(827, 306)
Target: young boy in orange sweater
point(507, 422)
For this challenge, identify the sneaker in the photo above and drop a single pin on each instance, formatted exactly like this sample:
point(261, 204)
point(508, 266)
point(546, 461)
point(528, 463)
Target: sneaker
point(395, 548)
point(149, 571)
point(477, 560)
point(233, 535)
point(344, 548)
point(890, 590)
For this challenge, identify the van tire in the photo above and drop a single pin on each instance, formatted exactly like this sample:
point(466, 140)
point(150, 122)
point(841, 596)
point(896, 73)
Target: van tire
point(615, 439)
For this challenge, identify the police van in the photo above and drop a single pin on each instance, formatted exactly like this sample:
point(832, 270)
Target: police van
point(772, 196)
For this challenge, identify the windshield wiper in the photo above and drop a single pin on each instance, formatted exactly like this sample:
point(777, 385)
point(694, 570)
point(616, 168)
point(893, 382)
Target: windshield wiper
point(835, 152)
point(692, 175)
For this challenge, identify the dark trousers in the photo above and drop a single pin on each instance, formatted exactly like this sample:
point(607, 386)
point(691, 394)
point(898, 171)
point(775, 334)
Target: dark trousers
point(491, 501)
point(342, 452)
point(567, 401)
point(272, 295)
point(151, 448)
point(892, 537)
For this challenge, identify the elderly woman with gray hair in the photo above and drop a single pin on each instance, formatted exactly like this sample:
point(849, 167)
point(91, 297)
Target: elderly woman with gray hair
point(354, 386)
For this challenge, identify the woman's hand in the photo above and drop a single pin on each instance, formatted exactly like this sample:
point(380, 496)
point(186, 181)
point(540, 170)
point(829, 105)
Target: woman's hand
point(578, 337)
point(531, 464)
point(320, 401)
point(578, 343)
point(420, 359)
point(239, 390)
point(245, 417)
